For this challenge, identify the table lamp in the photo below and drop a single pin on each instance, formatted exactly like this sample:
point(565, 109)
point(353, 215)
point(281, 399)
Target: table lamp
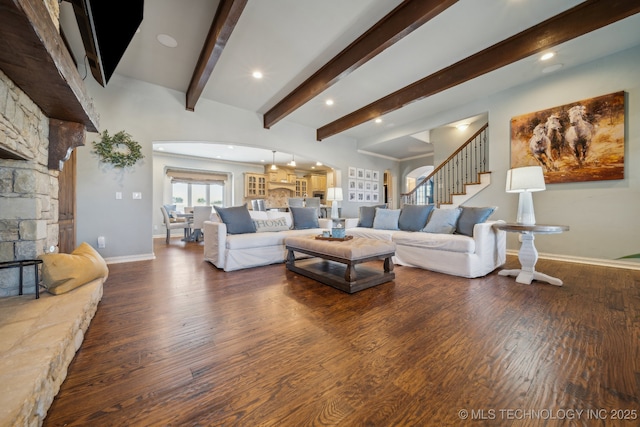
point(525, 180)
point(334, 195)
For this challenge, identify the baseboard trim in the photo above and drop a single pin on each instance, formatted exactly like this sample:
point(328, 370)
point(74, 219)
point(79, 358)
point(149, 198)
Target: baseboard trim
point(582, 260)
point(130, 258)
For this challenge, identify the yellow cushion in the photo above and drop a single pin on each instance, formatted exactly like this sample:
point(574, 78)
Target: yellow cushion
point(64, 272)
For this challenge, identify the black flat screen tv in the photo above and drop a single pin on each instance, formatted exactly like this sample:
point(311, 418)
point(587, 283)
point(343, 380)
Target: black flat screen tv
point(107, 27)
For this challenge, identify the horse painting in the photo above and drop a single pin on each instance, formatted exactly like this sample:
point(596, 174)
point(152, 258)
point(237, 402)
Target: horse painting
point(579, 135)
point(580, 141)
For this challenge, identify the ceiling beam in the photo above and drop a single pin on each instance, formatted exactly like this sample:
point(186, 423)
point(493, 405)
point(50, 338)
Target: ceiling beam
point(398, 23)
point(224, 22)
point(581, 19)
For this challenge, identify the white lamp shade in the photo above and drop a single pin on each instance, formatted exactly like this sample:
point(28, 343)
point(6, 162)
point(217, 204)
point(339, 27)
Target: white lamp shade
point(334, 194)
point(528, 178)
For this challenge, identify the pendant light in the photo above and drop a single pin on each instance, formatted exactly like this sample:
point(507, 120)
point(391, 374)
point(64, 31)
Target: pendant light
point(273, 164)
point(293, 161)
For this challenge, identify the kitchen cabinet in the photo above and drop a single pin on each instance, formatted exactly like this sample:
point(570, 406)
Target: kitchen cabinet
point(282, 175)
point(255, 185)
point(317, 182)
point(301, 187)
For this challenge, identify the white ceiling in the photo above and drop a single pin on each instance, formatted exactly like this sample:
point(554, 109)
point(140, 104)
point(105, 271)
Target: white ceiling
point(288, 40)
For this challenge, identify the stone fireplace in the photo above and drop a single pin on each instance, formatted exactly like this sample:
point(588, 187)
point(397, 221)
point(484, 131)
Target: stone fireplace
point(44, 112)
point(28, 189)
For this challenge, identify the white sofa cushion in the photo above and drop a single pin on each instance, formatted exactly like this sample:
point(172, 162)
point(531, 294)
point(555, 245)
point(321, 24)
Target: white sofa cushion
point(443, 242)
point(258, 215)
point(278, 214)
point(370, 233)
point(269, 238)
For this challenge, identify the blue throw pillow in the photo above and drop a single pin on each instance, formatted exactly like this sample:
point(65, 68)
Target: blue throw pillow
point(442, 221)
point(366, 215)
point(304, 218)
point(386, 219)
point(471, 216)
point(237, 219)
point(414, 217)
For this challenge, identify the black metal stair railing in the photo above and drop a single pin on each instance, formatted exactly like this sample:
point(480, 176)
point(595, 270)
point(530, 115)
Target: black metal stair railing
point(463, 167)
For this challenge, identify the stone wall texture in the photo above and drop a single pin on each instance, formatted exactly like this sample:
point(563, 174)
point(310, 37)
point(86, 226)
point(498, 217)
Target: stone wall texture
point(28, 189)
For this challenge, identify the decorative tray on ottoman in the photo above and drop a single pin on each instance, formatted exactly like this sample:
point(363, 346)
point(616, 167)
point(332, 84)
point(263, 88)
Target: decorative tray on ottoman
point(339, 239)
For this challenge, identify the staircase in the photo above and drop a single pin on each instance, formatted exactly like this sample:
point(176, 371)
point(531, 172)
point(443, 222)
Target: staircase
point(463, 175)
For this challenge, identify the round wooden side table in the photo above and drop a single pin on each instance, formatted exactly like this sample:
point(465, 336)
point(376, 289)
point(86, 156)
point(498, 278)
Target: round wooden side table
point(528, 255)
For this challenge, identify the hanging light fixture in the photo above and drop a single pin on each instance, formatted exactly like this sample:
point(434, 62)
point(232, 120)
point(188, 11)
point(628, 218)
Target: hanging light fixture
point(273, 163)
point(293, 161)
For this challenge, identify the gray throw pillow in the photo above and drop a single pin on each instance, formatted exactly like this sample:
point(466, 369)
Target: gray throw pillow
point(386, 219)
point(304, 218)
point(414, 217)
point(366, 215)
point(237, 219)
point(442, 221)
point(471, 216)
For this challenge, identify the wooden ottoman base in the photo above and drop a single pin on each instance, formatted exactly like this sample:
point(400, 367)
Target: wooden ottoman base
point(335, 261)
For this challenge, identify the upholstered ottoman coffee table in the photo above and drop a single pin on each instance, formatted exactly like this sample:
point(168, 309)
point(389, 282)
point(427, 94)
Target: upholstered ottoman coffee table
point(335, 261)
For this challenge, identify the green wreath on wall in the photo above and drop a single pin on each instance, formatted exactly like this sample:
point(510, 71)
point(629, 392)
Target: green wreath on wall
point(109, 149)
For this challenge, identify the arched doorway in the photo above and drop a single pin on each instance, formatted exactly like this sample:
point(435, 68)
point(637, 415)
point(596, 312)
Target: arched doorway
point(424, 195)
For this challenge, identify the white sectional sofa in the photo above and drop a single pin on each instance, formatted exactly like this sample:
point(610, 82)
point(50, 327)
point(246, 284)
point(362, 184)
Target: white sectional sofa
point(460, 241)
point(454, 254)
point(237, 251)
point(441, 251)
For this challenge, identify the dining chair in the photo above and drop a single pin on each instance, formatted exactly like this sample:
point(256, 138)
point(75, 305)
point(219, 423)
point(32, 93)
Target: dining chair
point(258, 205)
point(174, 224)
point(200, 215)
point(313, 202)
point(296, 202)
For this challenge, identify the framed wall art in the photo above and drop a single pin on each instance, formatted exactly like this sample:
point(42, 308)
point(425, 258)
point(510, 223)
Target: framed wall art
point(576, 142)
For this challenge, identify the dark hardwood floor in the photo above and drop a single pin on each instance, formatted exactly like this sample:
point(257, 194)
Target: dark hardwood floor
point(176, 342)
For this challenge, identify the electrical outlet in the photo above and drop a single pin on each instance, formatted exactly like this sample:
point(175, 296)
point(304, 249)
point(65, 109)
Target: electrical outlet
point(102, 243)
point(118, 195)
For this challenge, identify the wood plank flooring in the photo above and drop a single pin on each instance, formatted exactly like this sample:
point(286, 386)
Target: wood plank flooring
point(176, 342)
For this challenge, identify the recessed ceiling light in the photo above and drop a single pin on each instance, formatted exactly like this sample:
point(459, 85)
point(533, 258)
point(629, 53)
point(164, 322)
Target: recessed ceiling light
point(462, 126)
point(230, 147)
point(167, 40)
point(552, 68)
point(329, 102)
point(378, 120)
point(257, 74)
point(547, 56)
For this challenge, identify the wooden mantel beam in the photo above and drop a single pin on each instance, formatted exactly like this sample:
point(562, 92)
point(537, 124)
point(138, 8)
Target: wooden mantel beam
point(33, 55)
point(581, 19)
point(224, 22)
point(63, 138)
point(398, 23)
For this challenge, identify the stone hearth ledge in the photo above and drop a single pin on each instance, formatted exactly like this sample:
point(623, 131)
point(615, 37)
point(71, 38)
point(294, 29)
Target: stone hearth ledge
point(38, 340)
